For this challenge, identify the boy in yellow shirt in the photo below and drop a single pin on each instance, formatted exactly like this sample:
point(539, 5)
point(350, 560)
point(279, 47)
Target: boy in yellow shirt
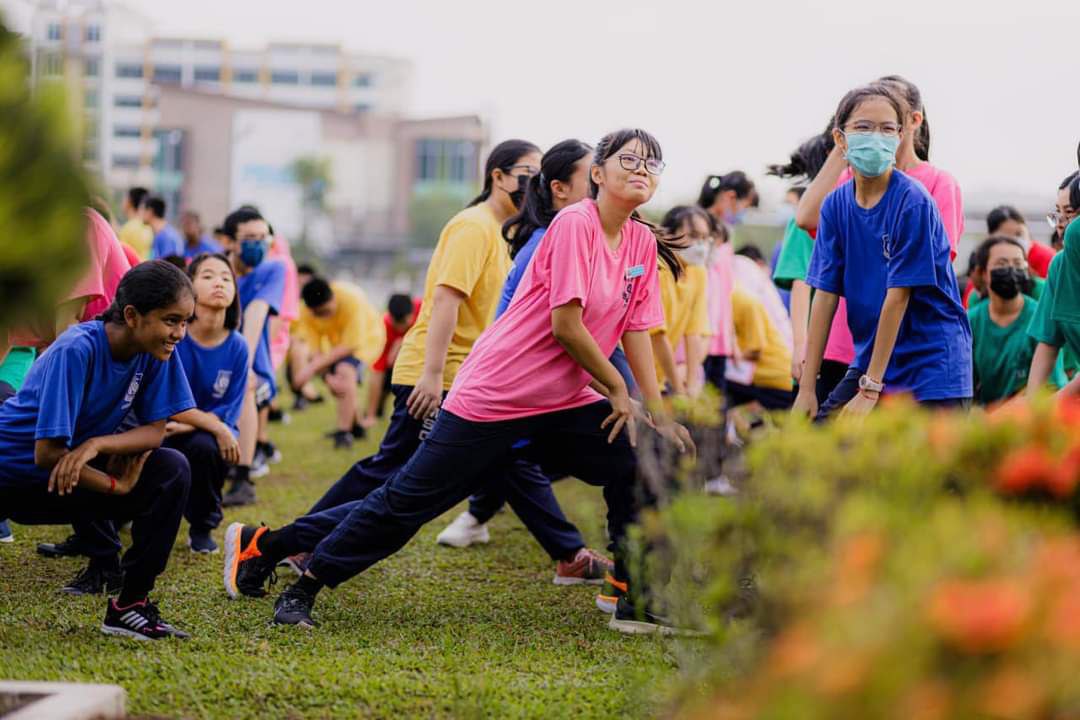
point(135, 232)
point(760, 342)
point(343, 331)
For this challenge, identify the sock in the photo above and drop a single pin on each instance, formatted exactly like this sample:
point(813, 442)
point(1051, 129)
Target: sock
point(308, 585)
point(241, 475)
point(106, 563)
point(129, 596)
point(277, 544)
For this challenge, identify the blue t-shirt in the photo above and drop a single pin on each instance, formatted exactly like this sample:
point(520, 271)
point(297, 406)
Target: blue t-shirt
point(167, 242)
point(517, 270)
point(900, 242)
point(76, 391)
point(265, 282)
point(217, 376)
point(205, 245)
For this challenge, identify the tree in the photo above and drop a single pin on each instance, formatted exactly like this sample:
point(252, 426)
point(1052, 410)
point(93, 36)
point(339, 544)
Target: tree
point(314, 176)
point(430, 207)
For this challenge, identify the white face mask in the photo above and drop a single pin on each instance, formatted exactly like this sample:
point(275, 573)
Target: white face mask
point(696, 254)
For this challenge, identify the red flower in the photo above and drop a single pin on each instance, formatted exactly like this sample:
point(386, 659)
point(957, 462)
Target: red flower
point(980, 616)
point(1062, 482)
point(1024, 469)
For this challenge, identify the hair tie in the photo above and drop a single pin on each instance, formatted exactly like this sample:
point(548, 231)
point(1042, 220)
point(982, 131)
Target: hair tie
point(714, 182)
point(543, 180)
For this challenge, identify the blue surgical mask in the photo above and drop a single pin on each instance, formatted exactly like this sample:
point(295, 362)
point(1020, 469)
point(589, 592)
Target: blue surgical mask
point(252, 252)
point(735, 219)
point(871, 154)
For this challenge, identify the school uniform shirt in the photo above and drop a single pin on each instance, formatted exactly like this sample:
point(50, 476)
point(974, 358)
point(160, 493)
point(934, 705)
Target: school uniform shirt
point(517, 368)
point(721, 281)
point(517, 270)
point(216, 375)
point(1002, 355)
point(265, 282)
point(794, 261)
point(167, 241)
point(756, 332)
point(1038, 285)
point(355, 324)
point(900, 242)
point(1057, 318)
point(471, 257)
point(139, 236)
point(393, 337)
point(77, 390)
point(205, 245)
point(686, 306)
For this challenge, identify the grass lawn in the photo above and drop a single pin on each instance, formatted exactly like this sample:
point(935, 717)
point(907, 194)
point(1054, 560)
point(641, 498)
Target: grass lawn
point(430, 632)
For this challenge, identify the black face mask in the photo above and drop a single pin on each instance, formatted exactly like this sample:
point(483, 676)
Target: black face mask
point(518, 196)
point(1010, 282)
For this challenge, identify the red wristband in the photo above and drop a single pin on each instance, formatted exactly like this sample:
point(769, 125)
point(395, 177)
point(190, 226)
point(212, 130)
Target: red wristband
point(112, 484)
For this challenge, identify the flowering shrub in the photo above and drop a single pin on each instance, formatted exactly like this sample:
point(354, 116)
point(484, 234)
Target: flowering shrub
point(914, 565)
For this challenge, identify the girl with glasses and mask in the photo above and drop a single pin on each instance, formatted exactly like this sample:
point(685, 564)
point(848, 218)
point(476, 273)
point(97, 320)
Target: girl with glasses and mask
point(881, 244)
point(1001, 347)
point(541, 372)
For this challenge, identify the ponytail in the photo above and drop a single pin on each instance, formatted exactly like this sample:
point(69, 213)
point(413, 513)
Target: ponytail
point(503, 157)
point(910, 93)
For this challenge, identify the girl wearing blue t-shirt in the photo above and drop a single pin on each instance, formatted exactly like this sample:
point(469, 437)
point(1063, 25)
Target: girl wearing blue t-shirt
point(882, 246)
point(62, 459)
point(215, 360)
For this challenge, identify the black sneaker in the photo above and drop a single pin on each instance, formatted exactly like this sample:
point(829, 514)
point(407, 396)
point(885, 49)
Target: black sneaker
point(269, 452)
point(92, 580)
point(642, 621)
point(293, 607)
point(300, 403)
point(343, 440)
point(359, 431)
point(246, 569)
point(201, 542)
point(140, 620)
point(71, 547)
point(242, 492)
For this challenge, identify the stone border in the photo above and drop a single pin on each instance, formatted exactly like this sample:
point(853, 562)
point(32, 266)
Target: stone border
point(67, 701)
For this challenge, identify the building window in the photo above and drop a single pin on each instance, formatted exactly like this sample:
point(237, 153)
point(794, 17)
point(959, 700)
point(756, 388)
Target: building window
point(125, 161)
point(245, 75)
point(93, 33)
point(361, 107)
point(207, 73)
point(90, 99)
point(361, 80)
point(285, 77)
point(55, 32)
point(167, 74)
point(324, 79)
point(129, 70)
point(91, 68)
point(126, 131)
point(52, 65)
point(208, 45)
point(127, 101)
point(446, 161)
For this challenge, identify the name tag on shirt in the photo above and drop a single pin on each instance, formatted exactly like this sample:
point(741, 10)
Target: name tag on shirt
point(635, 271)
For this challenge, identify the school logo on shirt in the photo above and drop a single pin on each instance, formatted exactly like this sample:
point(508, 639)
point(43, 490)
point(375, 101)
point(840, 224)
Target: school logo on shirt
point(221, 383)
point(133, 389)
point(886, 246)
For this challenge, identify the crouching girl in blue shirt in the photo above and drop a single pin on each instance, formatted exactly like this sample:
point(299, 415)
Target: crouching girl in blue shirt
point(61, 458)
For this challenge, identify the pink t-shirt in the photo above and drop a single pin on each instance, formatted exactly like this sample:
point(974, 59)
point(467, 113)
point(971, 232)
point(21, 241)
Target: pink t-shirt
point(108, 264)
point(516, 368)
point(290, 301)
point(721, 283)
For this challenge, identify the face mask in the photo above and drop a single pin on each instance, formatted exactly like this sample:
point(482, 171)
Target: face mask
point(871, 154)
point(252, 252)
point(736, 218)
point(696, 254)
point(518, 196)
point(1009, 282)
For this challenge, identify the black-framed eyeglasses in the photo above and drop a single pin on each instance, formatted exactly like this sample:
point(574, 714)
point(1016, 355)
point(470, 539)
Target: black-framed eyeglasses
point(632, 162)
point(527, 170)
point(888, 129)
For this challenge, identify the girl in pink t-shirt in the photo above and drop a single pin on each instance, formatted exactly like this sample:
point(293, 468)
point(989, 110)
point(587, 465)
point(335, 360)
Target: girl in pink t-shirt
point(540, 372)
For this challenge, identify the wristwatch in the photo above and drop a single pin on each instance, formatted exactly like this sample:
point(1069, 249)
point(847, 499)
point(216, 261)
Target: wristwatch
point(870, 385)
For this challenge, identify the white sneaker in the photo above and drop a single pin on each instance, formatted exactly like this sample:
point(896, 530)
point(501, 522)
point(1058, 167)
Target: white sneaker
point(720, 486)
point(463, 532)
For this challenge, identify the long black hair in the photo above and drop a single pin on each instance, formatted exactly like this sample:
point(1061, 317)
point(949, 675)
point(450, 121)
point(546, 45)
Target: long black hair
point(666, 246)
point(538, 207)
point(808, 158)
point(232, 313)
point(911, 95)
point(680, 214)
point(503, 156)
point(716, 184)
point(148, 286)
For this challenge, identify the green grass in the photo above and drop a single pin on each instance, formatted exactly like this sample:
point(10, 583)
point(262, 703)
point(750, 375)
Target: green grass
point(430, 632)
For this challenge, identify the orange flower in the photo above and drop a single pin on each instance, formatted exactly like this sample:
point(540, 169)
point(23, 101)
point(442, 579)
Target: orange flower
point(1067, 412)
point(858, 558)
point(795, 651)
point(1063, 619)
point(1062, 482)
point(1023, 469)
point(1012, 693)
point(1057, 563)
point(980, 616)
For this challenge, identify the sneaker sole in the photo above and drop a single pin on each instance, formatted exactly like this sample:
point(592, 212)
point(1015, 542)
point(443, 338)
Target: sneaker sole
point(259, 472)
point(307, 627)
point(7, 539)
point(232, 557)
point(481, 540)
point(606, 604)
point(123, 632)
point(638, 627)
point(565, 581)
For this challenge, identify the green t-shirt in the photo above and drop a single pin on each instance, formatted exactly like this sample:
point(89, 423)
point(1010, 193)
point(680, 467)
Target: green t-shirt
point(794, 259)
point(1002, 355)
point(1045, 329)
point(15, 366)
point(1038, 286)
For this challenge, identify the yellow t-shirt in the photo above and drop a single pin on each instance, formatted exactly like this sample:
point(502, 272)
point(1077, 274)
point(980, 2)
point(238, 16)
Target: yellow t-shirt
point(754, 332)
point(471, 257)
point(686, 306)
point(355, 323)
point(139, 236)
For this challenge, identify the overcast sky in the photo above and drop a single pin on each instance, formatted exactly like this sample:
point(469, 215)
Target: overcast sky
point(722, 84)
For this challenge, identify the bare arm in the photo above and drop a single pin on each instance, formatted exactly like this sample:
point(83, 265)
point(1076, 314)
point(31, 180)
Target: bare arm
point(255, 315)
point(800, 319)
point(695, 358)
point(1042, 365)
point(321, 362)
point(822, 310)
point(68, 467)
point(427, 395)
point(809, 209)
point(570, 332)
point(892, 314)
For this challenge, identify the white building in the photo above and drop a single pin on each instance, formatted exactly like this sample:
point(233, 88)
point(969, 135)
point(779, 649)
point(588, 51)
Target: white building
point(113, 63)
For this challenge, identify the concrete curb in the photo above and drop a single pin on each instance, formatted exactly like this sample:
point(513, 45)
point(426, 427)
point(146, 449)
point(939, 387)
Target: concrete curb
point(67, 701)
